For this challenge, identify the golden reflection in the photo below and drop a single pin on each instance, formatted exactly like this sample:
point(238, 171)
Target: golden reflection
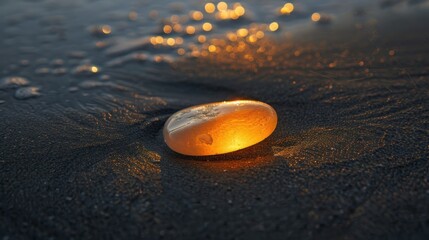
point(179, 40)
point(209, 7)
point(159, 40)
point(106, 29)
point(171, 41)
point(239, 10)
point(190, 30)
point(207, 26)
point(274, 26)
point(233, 164)
point(222, 6)
point(202, 39)
point(197, 15)
point(181, 51)
point(177, 27)
point(242, 32)
point(212, 48)
point(94, 69)
point(167, 29)
point(287, 8)
point(315, 17)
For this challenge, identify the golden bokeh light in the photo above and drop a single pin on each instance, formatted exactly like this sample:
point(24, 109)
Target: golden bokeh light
point(181, 51)
point(94, 69)
point(212, 48)
point(315, 17)
point(179, 40)
point(287, 8)
point(274, 26)
point(207, 26)
point(242, 32)
point(190, 30)
point(197, 15)
point(209, 7)
point(106, 29)
point(202, 39)
point(167, 29)
point(171, 41)
point(222, 6)
point(239, 10)
point(218, 128)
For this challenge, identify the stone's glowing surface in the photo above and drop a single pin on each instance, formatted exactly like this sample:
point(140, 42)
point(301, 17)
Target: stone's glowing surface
point(220, 127)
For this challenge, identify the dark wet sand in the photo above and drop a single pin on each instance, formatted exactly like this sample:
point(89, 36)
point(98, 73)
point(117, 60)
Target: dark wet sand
point(348, 160)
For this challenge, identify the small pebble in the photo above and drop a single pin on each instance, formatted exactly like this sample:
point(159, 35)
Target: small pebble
point(13, 82)
point(27, 92)
point(220, 127)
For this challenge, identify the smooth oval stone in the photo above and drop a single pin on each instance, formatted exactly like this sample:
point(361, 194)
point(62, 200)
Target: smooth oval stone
point(221, 127)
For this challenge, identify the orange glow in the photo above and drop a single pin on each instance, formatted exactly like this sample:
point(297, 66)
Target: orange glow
point(202, 39)
point(260, 34)
point(179, 40)
point(207, 27)
point(274, 26)
point(287, 8)
point(209, 7)
point(106, 29)
point(315, 17)
point(181, 51)
point(190, 30)
point(222, 6)
point(242, 32)
point(177, 27)
point(212, 48)
point(159, 39)
point(197, 15)
point(240, 11)
point(218, 128)
point(167, 29)
point(171, 41)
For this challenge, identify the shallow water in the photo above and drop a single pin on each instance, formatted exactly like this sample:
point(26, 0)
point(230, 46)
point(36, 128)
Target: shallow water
point(82, 153)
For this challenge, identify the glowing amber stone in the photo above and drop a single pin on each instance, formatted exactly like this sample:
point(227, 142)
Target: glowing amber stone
point(220, 127)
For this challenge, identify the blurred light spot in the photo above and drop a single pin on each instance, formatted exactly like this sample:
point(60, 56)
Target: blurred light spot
point(167, 29)
point(287, 8)
point(392, 53)
point(181, 51)
point(94, 69)
point(202, 39)
point(197, 15)
point(207, 27)
point(242, 32)
point(274, 26)
point(361, 63)
point(106, 29)
point(171, 41)
point(260, 34)
point(190, 30)
point(212, 48)
point(222, 6)
point(315, 17)
point(179, 40)
point(231, 36)
point(209, 7)
point(177, 27)
point(132, 15)
point(239, 10)
point(159, 39)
